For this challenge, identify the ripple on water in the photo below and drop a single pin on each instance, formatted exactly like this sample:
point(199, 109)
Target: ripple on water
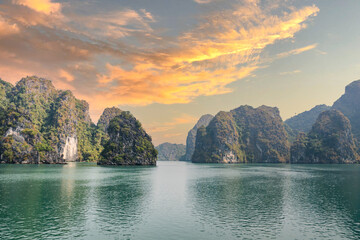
point(180, 201)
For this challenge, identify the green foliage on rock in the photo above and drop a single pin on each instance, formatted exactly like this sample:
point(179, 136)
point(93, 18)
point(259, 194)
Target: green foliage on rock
point(5, 89)
point(243, 135)
point(38, 120)
point(303, 122)
point(349, 105)
point(106, 117)
point(191, 137)
point(329, 141)
point(129, 144)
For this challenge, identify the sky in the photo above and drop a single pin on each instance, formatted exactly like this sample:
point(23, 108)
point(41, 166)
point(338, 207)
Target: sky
point(171, 61)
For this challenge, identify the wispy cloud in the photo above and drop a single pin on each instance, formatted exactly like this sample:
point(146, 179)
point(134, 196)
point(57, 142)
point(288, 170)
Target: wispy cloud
point(43, 6)
point(119, 57)
point(66, 75)
point(7, 28)
point(202, 1)
point(163, 127)
point(290, 72)
point(224, 48)
point(297, 51)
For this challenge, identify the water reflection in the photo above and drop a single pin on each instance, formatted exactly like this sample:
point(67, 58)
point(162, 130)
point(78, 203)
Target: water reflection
point(323, 201)
point(285, 202)
point(38, 205)
point(239, 205)
point(119, 202)
point(180, 201)
point(70, 201)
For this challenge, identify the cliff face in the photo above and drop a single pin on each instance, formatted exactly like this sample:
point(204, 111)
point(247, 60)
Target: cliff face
point(349, 105)
point(304, 121)
point(71, 118)
point(39, 124)
point(191, 137)
point(243, 135)
point(43, 125)
point(329, 141)
point(107, 116)
point(170, 152)
point(129, 144)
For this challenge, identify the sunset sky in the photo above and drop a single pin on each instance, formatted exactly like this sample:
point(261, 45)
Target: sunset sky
point(171, 61)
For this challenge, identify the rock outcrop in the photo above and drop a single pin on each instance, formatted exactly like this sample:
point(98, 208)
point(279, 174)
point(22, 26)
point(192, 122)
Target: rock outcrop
point(107, 116)
point(43, 125)
point(129, 144)
point(349, 105)
point(304, 121)
point(191, 137)
point(329, 141)
point(243, 135)
point(39, 124)
point(170, 151)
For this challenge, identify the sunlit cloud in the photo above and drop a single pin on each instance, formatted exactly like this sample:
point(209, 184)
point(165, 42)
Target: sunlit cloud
point(202, 1)
point(184, 119)
point(119, 24)
point(171, 135)
point(297, 51)
point(43, 6)
point(66, 75)
point(221, 50)
point(290, 72)
point(156, 127)
point(7, 28)
point(121, 58)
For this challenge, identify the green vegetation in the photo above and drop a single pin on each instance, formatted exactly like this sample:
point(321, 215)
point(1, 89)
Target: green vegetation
point(191, 137)
point(129, 144)
point(348, 104)
point(329, 141)
point(36, 122)
point(243, 135)
point(304, 121)
point(5, 89)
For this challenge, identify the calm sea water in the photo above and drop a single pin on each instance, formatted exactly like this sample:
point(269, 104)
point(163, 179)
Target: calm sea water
point(178, 200)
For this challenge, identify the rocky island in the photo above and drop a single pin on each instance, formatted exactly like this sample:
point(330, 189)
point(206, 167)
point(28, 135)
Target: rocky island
point(304, 121)
point(329, 141)
point(191, 137)
point(129, 144)
point(39, 124)
point(171, 152)
point(243, 135)
point(349, 105)
point(323, 134)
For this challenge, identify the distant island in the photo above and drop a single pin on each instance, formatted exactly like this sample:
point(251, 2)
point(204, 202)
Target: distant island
point(171, 152)
point(323, 134)
point(39, 124)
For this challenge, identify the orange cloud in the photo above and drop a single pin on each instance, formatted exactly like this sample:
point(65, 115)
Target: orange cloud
point(290, 73)
point(202, 1)
point(171, 135)
point(66, 75)
point(184, 119)
point(7, 28)
point(118, 57)
point(43, 6)
point(205, 60)
point(297, 51)
point(157, 129)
